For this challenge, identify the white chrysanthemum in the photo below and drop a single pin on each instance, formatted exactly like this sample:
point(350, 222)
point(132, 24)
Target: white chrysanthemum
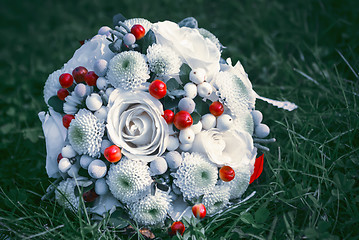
point(72, 103)
point(128, 70)
point(65, 194)
point(233, 92)
point(195, 176)
point(129, 180)
point(217, 199)
point(133, 21)
point(239, 184)
point(207, 34)
point(52, 85)
point(85, 133)
point(163, 60)
point(152, 209)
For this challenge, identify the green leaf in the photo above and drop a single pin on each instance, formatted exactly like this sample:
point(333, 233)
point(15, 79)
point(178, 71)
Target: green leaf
point(169, 103)
point(247, 218)
point(261, 215)
point(146, 41)
point(117, 18)
point(196, 117)
point(201, 107)
point(184, 73)
point(172, 84)
point(119, 219)
point(56, 104)
point(32, 135)
point(7, 128)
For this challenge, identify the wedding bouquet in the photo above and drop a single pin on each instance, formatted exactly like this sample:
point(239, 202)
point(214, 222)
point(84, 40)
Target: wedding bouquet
point(147, 123)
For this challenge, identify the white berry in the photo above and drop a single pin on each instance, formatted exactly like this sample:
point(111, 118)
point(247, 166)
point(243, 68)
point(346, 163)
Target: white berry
point(208, 121)
point(129, 39)
point(197, 75)
point(224, 122)
point(186, 136)
point(74, 170)
point(187, 104)
point(204, 90)
point(191, 90)
point(80, 90)
point(105, 144)
point(101, 83)
point(261, 130)
point(196, 128)
point(101, 187)
point(158, 166)
point(100, 67)
point(257, 117)
point(174, 159)
point(68, 152)
point(173, 143)
point(94, 102)
point(186, 147)
point(104, 30)
point(97, 169)
point(64, 165)
point(85, 161)
point(101, 113)
point(109, 91)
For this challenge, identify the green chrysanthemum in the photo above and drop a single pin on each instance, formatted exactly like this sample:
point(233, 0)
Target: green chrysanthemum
point(129, 180)
point(128, 70)
point(217, 199)
point(52, 85)
point(239, 184)
point(152, 209)
point(85, 133)
point(163, 60)
point(65, 194)
point(195, 176)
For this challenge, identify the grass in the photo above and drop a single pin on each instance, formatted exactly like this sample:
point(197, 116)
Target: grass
point(302, 51)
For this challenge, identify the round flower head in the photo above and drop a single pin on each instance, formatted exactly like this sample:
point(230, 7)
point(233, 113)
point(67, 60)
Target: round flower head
point(85, 133)
point(152, 209)
point(65, 194)
point(207, 34)
point(141, 21)
point(52, 85)
point(163, 60)
point(128, 70)
point(129, 180)
point(72, 103)
point(239, 184)
point(195, 176)
point(233, 92)
point(217, 199)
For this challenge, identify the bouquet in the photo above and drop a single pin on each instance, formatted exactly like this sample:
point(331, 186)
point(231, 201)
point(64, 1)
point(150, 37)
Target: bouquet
point(147, 123)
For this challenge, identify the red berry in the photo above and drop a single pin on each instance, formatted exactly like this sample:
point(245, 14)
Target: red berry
point(66, 80)
point(138, 31)
point(199, 211)
point(177, 227)
point(113, 153)
point(59, 157)
point(66, 120)
point(182, 120)
point(158, 89)
point(216, 109)
point(62, 93)
point(91, 78)
point(90, 195)
point(79, 74)
point(227, 173)
point(168, 115)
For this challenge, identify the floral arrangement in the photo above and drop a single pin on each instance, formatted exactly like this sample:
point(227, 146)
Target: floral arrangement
point(147, 123)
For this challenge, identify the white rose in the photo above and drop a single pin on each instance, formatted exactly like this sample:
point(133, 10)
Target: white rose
point(190, 45)
point(55, 135)
point(135, 124)
point(86, 56)
point(229, 148)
